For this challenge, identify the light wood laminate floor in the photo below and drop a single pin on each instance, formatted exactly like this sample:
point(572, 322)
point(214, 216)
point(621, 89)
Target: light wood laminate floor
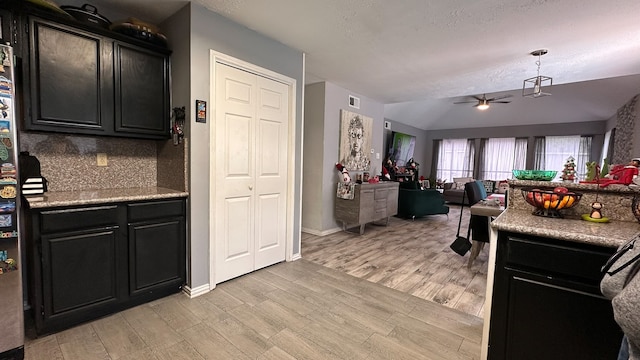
point(295, 310)
point(396, 292)
point(412, 256)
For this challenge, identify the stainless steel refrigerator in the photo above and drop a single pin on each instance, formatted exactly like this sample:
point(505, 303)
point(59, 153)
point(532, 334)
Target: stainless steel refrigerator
point(11, 298)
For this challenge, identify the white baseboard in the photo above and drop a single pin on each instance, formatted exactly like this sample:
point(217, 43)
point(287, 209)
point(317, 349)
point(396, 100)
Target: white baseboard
point(296, 257)
point(195, 292)
point(321, 233)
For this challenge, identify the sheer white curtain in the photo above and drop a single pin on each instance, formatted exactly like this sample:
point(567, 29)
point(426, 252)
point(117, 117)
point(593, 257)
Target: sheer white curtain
point(558, 148)
point(520, 154)
point(605, 148)
point(500, 156)
point(455, 159)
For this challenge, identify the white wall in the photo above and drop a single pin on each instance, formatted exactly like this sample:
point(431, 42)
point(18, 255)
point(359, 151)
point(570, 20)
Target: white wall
point(210, 31)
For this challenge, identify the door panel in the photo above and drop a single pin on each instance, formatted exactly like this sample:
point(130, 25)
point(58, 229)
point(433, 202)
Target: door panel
point(239, 242)
point(268, 234)
point(268, 155)
point(238, 158)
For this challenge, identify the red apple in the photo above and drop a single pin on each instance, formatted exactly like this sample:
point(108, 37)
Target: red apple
point(560, 190)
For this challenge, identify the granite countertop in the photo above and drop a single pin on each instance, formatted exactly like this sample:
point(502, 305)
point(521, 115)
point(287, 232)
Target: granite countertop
point(88, 197)
point(611, 234)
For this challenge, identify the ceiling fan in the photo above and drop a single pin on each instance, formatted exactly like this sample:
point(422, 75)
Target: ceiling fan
point(482, 103)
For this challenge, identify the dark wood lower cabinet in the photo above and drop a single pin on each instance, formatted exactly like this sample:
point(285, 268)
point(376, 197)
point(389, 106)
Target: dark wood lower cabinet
point(90, 261)
point(547, 304)
point(156, 246)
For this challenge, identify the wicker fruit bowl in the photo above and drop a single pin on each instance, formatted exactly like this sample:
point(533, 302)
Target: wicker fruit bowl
point(549, 202)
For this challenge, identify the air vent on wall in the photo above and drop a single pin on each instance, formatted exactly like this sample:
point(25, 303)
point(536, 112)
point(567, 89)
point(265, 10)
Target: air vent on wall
point(354, 102)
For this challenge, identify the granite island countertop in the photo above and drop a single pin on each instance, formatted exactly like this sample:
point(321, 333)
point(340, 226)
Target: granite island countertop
point(611, 234)
point(88, 197)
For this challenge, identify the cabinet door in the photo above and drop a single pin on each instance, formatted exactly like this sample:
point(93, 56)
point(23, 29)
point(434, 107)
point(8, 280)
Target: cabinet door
point(142, 91)
point(392, 200)
point(571, 324)
point(546, 301)
point(156, 255)
point(6, 27)
point(80, 272)
point(71, 77)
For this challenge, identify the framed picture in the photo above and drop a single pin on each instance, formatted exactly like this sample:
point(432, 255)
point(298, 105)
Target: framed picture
point(355, 141)
point(201, 111)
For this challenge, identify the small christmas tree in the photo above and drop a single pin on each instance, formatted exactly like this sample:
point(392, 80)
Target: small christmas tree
point(569, 171)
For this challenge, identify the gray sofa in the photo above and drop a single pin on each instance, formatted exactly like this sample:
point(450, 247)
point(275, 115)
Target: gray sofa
point(454, 196)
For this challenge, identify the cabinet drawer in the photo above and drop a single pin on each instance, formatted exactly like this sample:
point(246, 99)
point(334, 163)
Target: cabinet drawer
point(154, 210)
point(564, 259)
point(381, 204)
point(381, 194)
point(67, 219)
point(366, 199)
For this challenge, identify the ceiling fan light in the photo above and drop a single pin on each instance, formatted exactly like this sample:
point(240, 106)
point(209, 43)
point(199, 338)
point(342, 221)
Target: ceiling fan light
point(484, 106)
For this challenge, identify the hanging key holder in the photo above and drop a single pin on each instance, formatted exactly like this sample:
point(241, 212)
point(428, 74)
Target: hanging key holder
point(177, 125)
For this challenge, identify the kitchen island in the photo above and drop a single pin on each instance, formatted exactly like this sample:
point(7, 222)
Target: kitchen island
point(95, 252)
point(543, 297)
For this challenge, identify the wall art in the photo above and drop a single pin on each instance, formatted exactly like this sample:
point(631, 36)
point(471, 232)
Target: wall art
point(355, 141)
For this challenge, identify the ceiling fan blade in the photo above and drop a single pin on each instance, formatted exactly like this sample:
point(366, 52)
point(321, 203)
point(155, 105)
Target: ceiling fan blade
point(500, 102)
point(465, 102)
point(500, 97)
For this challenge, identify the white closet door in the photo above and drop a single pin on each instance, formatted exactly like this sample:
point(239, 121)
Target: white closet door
point(251, 128)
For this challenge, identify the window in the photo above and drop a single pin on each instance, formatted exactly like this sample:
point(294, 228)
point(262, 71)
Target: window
point(499, 156)
point(607, 148)
point(552, 153)
point(455, 159)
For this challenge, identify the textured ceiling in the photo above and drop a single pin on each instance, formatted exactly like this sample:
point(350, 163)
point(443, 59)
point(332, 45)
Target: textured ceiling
point(419, 56)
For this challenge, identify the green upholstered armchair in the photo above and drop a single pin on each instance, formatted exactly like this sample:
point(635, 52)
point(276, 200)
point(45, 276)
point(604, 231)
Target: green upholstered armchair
point(413, 202)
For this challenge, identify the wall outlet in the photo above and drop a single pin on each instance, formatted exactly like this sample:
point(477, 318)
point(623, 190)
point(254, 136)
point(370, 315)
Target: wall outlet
point(101, 159)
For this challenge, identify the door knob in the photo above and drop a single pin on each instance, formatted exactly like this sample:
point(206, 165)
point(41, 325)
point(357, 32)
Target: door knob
point(250, 187)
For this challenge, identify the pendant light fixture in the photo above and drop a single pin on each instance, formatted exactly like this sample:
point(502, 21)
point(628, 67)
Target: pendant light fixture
point(533, 87)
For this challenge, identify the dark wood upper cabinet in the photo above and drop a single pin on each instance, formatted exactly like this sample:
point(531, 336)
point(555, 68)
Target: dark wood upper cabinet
point(6, 27)
point(142, 94)
point(83, 81)
point(71, 86)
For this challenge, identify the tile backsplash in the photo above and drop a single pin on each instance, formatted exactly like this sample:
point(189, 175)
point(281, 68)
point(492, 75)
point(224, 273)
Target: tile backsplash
point(69, 162)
